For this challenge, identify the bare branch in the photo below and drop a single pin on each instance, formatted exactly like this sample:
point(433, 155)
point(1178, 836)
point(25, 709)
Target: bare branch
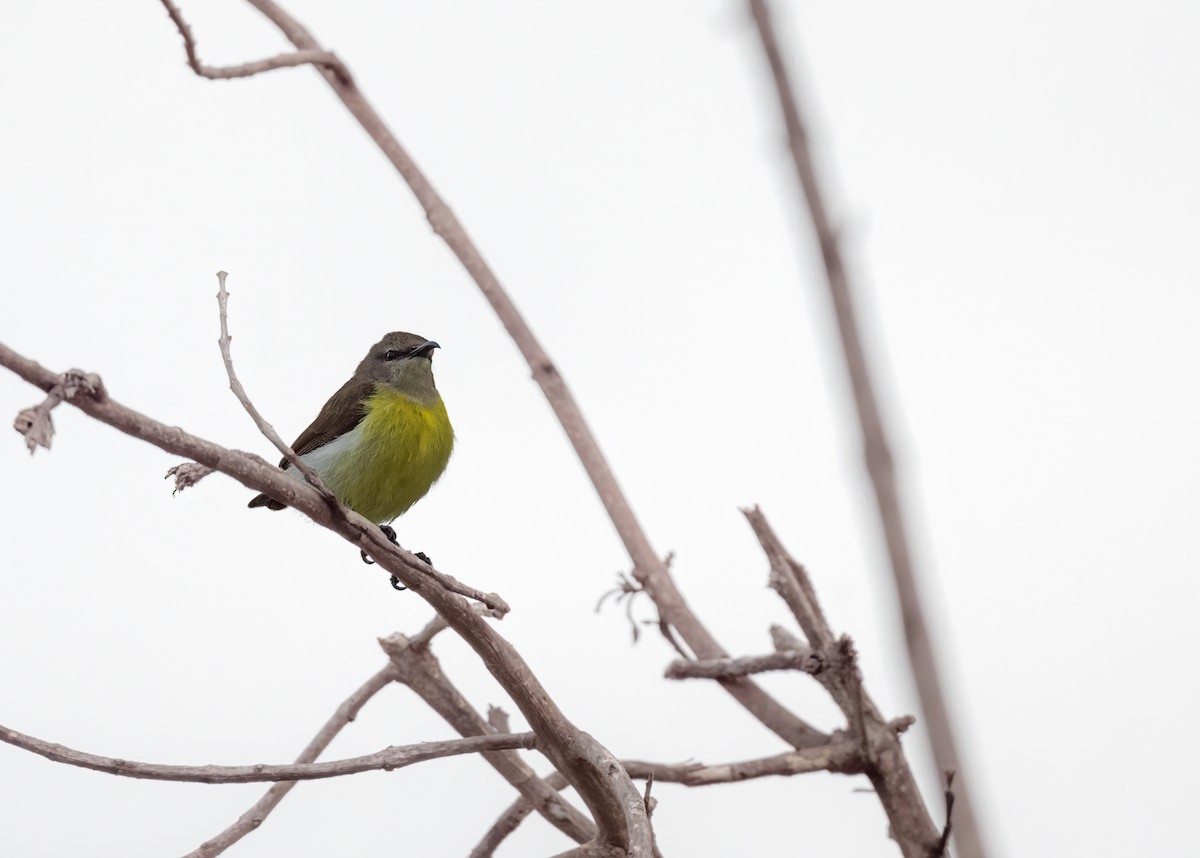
point(592, 769)
point(944, 840)
point(225, 341)
point(254, 817)
point(876, 741)
point(415, 666)
point(650, 802)
point(877, 455)
point(790, 580)
point(395, 757)
point(840, 756)
point(727, 668)
point(289, 60)
point(647, 800)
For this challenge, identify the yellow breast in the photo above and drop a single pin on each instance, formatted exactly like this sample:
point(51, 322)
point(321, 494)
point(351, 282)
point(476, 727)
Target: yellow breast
point(391, 459)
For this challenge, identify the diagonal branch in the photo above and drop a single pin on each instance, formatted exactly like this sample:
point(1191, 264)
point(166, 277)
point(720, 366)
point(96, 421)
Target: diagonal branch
point(880, 464)
point(414, 665)
point(289, 60)
point(592, 770)
point(837, 670)
point(258, 812)
point(389, 759)
point(225, 343)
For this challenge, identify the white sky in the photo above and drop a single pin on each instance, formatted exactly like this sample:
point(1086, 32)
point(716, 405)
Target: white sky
point(1019, 187)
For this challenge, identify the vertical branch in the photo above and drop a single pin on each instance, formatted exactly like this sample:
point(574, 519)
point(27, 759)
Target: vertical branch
point(836, 668)
point(880, 464)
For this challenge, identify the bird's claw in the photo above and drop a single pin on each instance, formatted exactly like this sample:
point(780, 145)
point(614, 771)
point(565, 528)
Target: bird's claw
point(420, 555)
point(390, 533)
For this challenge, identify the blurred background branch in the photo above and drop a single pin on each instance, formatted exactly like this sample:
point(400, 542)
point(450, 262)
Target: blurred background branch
point(877, 452)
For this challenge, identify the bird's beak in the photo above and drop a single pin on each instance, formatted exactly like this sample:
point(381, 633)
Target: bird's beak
point(425, 348)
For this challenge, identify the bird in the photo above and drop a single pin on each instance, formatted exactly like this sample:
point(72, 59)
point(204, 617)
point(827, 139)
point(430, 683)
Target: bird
point(383, 439)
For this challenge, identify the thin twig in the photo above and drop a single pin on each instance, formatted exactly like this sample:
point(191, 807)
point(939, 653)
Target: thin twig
point(254, 817)
point(790, 580)
point(877, 455)
point(264, 427)
point(650, 803)
point(726, 668)
point(944, 841)
point(876, 741)
point(289, 60)
point(395, 757)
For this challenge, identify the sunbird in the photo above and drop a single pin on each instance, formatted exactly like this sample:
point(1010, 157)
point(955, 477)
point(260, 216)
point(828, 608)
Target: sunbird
point(384, 439)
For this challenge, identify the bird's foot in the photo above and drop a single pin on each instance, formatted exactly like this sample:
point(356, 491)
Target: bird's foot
point(390, 533)
point(420, 555)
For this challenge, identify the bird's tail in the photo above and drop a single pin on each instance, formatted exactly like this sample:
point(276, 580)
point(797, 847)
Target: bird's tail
point(267, 501)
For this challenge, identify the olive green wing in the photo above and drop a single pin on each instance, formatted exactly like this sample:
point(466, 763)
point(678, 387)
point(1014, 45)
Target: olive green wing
point(344, 410)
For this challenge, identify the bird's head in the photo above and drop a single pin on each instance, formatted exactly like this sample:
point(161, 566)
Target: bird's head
point(403, 362)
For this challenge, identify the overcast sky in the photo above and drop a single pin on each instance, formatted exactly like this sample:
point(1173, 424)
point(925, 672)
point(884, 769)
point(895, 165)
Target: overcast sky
point(1018, 184)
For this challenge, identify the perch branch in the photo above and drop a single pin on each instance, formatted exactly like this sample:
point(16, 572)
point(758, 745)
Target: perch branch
point(261, 809)
point(395, 757)
point(880, 464)
point(592, 770)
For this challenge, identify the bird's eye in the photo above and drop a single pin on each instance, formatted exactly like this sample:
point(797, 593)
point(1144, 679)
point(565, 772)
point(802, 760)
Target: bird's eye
point(391, 354)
